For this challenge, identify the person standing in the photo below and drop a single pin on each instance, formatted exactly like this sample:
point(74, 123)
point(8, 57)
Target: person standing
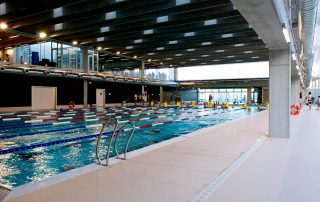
point(309, 100)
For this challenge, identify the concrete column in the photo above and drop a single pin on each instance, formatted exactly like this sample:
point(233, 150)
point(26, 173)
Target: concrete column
point(142, 69)
point(85, 70)
point(265, 95)
point(295, 91)
point(161, 94)
point(249, 98)
point(85, 93)
point(85, 64)
point(175, 74)
point(279, 93)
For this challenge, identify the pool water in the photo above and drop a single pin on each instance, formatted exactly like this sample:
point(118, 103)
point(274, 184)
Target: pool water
point(29, 165)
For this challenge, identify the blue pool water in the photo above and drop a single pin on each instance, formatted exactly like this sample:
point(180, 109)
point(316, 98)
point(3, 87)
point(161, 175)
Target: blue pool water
point(28, 165)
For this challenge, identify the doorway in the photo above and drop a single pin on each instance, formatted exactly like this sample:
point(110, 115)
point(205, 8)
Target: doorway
point(100, 97)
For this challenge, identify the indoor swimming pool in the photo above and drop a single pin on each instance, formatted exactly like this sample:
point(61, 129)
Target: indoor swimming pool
point(37, 145)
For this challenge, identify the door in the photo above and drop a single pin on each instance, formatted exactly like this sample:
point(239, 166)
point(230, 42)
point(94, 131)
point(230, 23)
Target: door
point(43, 97)
point(100, 97)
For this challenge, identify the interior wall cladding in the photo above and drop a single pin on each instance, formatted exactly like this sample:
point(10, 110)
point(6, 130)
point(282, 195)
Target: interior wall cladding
point(16, 89)
point(119, 92)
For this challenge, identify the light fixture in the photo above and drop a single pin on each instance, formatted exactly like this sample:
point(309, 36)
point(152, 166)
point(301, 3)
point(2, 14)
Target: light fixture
point(285, 33)
point(118, 52)
point(42, 35)
point(161, 63)
point(297, 66)
point(99, 48)
point(3, 25)
point(74, 42)
point(149, 60)
point(135, 56)
point(293, 56)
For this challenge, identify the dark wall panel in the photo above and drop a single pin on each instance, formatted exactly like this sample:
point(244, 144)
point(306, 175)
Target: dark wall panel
point(16, 89)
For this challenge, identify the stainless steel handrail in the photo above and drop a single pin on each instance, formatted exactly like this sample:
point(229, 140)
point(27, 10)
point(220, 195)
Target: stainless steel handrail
point(111, 139)
point(122, 129)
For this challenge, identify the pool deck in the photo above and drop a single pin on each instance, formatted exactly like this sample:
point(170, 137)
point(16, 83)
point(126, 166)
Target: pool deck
point(232, 162)
point(177, 170)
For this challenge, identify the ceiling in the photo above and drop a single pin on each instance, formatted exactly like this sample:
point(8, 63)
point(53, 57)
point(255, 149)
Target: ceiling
point(194, 32)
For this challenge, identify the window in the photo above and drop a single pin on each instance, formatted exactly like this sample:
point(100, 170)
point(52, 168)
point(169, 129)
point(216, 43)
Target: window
point(57, 12)
point(189, 34)
point(111, 15)
point(148, 31)
point(162, 19)
point(104, 29)
point(181, 2)
point(210, 22)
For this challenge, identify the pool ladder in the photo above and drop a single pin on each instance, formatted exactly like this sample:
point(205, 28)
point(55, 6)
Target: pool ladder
point(115, 136)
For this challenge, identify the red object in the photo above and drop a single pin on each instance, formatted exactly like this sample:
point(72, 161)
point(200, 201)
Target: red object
point(72, 104)
point(295, 109)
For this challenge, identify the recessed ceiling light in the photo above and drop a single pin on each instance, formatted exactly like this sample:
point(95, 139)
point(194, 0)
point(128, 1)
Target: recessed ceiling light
point(170, 65)
point(179, 54)
point(216, 60)
point(191, 49)
point(74, 42)
point(219, 51)
point(192, 59)
point(161, 63)
point(204, 56)
point(248, 51)
point(203, 63)
point(150, 53)
point(135, 56)
point(238, 60)
point(255, 57)
point(42, 35)
point(129, 47)
point(149, 60)
point(3, 25)
point(230, 56)
point(182, 62)
point(168, 58)
point(118, 52)
point(160, 48)
point(99, 48)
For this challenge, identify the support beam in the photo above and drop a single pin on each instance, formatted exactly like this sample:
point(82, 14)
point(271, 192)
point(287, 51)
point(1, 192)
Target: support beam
point(295, 91)
point(85, 93)
point(142, 69)
point(280, 90)
point(161, 94)
point(249, 98)
point(85, 68)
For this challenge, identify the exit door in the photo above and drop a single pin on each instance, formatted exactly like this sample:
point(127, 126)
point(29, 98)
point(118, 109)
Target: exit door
point(100, 97)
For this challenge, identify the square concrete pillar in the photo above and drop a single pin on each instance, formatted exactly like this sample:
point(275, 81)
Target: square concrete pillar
point(249, 98)
point(295, 91)
point(279, 93)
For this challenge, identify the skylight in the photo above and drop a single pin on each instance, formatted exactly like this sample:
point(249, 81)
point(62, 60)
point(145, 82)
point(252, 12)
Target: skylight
point(189, 34)
point(58, 26)
point(111, 15)
point(57, 12)
point(181, 2)
point(3, 8)
point(148, 31)
point(137, 41)
point(162, 19)
point(227, 35)
point(173, 42)
point(210, 22)
point(238, 44)
point(206, 43)
point(104, 29)
point(100, 39)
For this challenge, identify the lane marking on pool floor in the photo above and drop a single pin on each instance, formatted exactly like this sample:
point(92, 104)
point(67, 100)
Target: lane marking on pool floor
point(208, 191)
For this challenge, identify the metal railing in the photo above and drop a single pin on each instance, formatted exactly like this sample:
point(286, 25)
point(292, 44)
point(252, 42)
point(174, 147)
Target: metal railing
point(114, 138)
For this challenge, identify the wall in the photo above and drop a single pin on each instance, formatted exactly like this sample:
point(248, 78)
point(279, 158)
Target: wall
point(15, 90)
